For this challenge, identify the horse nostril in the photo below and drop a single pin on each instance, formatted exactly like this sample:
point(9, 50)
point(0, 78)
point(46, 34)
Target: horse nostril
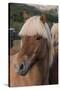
point(21, 66)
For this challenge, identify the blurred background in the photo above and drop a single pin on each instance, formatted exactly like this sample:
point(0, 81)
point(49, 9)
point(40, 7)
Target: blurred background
point(18, 13)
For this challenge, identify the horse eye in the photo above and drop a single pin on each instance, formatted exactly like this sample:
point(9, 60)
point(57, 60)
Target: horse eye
point(38, 38)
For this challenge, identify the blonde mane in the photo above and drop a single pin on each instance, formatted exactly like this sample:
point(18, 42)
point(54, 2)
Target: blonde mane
point(54, 30)
point(54, 33)
point(35, 26)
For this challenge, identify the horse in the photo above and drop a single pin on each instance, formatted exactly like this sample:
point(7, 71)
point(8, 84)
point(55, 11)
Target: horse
point(54, 67)
point(54, 33)
point(30, 66)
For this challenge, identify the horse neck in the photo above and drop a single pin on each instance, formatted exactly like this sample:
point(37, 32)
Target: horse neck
point(43, 66)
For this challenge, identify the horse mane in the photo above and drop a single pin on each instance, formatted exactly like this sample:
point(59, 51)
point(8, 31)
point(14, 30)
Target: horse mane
point(54, 33)
point(54, 29)
point(34, 26)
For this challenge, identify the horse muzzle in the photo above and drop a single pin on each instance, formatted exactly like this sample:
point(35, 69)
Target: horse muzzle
point(24, 66)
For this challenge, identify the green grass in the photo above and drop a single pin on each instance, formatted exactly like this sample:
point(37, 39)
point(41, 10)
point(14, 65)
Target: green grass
point(16, 25)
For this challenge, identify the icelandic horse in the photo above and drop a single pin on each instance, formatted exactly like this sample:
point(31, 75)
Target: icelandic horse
point(30, 66)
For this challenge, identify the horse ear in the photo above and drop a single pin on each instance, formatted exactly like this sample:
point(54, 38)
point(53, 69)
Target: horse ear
point(43, 19)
